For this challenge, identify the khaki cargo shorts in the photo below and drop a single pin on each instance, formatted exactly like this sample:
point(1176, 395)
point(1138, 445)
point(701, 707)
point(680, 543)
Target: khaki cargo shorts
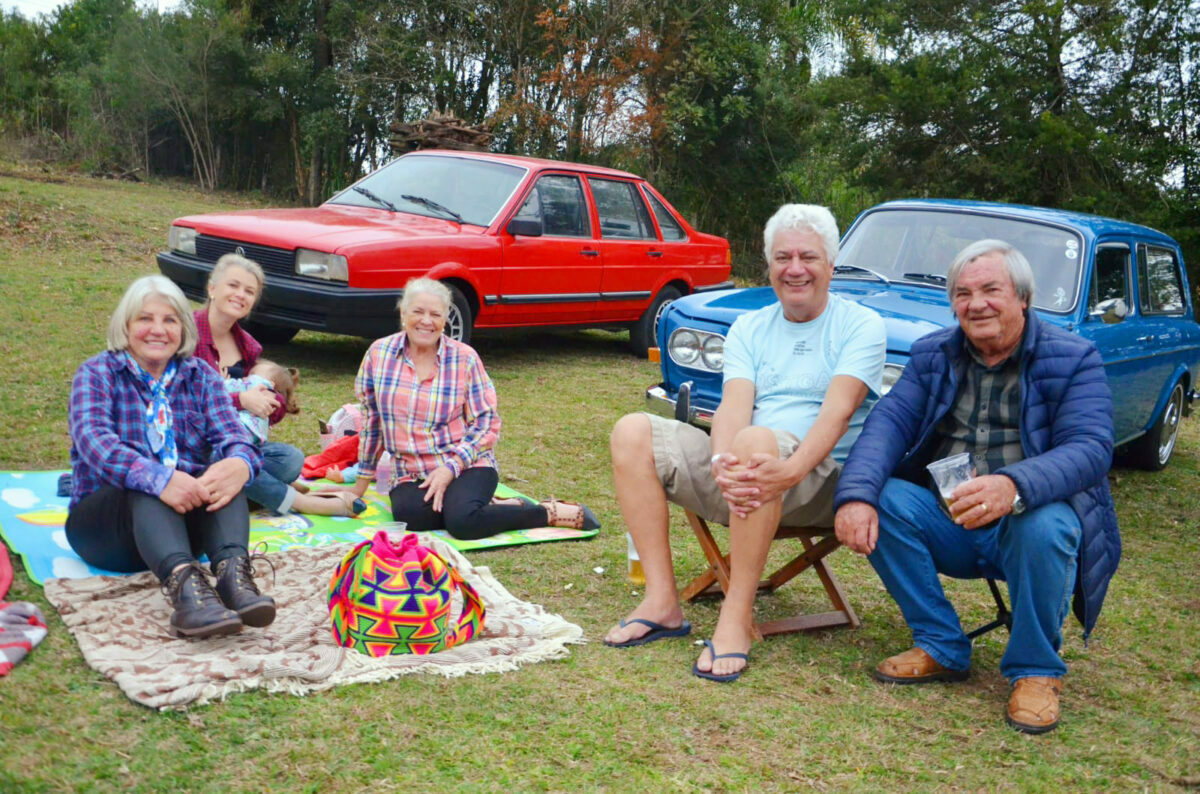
point(683, 456)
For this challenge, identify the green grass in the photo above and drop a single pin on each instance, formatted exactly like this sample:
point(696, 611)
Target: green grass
point(806, 715)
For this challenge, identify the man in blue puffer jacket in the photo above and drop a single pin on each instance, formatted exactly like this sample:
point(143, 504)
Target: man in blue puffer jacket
point(1030, 403)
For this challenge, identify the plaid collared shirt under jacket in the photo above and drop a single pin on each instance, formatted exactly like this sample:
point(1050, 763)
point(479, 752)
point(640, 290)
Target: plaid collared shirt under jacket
point(107, 422)
point(449, 420)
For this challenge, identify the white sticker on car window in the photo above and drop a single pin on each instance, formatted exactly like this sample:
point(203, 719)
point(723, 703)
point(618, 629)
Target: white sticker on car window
point(1060, 297)
point(1071, 253)
point(1072, 243)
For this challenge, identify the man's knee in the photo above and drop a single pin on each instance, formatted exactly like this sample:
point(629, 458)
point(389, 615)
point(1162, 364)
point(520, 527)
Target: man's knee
point(630, 440)
point(1049, 527)
point(752, 439)
point(898, 503)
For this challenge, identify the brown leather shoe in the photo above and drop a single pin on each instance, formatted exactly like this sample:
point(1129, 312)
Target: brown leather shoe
point(914, 666)
point(1033, 704)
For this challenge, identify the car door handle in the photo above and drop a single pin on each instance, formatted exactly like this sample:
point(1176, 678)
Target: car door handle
point(654, 253)
point(589, 252)
point(1147, 338)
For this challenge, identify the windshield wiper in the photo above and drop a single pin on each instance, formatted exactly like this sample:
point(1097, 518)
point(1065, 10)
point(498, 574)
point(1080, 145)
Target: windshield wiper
point(933, 278)
point(433, 205)
point(381, 201)
point(860, 269)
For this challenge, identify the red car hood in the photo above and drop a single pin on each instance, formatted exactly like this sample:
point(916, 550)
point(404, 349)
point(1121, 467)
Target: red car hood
point(327, 228)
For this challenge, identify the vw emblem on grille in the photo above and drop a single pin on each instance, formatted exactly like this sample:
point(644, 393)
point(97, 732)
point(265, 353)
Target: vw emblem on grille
point(240, 251)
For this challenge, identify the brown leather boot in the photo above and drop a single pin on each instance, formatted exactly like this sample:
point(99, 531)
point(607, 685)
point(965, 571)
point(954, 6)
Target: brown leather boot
point(1033, 704)
point(235, 585)
point(198, 611)
point(915, 666)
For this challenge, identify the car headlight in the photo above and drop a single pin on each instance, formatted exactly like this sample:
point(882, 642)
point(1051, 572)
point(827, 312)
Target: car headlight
point(697, 349)
point(318, 264)
point(712, 352)
point(891, 374)
point(182, 239)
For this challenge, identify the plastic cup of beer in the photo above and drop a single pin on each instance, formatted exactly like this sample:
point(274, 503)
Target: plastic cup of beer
point(948, 474)
point(395, 531)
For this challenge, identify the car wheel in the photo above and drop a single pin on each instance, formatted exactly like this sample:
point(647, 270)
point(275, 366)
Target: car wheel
point(459, 321)
point(644, 333)
point(270, 334)
point(1153, 450)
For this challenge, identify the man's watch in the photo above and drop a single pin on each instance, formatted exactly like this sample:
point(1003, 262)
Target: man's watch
point(1018, 504)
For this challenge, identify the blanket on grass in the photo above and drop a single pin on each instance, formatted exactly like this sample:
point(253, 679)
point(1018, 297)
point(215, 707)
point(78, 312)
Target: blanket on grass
point(32, 518)
point(121, 625)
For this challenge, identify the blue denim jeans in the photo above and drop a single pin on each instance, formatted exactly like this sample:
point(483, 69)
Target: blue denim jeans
point(281, 466)
point(1034, 552)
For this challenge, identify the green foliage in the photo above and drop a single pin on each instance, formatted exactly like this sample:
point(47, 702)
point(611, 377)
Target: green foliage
point(730, 108)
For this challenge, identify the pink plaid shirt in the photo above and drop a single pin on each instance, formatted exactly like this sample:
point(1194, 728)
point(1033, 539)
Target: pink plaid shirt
point(448, 420)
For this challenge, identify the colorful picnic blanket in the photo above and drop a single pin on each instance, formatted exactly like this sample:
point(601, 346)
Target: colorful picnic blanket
point(32, 518)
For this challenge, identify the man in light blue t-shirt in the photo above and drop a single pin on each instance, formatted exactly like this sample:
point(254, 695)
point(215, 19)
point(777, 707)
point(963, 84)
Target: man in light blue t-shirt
point(800, 376)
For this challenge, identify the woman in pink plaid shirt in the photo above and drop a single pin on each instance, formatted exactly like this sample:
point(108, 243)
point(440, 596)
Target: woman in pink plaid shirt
point(428, 401)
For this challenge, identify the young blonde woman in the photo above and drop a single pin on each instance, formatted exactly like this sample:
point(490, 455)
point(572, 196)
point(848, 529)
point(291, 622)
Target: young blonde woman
point(234, 287)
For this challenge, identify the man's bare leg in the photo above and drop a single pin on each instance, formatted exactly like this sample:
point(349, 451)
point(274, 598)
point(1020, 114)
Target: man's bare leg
point(749, 542)
point(644, 507)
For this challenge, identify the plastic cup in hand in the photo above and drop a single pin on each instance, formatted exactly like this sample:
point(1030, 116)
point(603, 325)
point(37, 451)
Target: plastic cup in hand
point(949, 473)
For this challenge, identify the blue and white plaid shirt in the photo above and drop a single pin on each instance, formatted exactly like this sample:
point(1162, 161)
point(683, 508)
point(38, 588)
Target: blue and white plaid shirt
point(107, 421)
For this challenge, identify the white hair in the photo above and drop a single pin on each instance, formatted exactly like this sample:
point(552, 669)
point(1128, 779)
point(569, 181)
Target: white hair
point(1016, 263)
point(134, 300)
point(423, 286)
point(803, 217)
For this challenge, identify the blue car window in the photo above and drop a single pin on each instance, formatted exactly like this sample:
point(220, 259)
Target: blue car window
point(1160, 285)
point(1111, 277)
point(916, 246)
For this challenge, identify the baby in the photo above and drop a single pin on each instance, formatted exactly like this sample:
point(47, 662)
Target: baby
point(266, 373)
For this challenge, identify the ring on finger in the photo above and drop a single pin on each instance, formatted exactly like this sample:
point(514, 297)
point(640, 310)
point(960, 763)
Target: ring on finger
point(983, 506)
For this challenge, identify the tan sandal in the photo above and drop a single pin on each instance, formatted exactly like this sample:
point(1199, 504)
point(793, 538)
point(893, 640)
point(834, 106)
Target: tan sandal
point(569, 515)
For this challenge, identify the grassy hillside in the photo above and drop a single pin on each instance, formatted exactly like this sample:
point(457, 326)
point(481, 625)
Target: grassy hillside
point(806, 715)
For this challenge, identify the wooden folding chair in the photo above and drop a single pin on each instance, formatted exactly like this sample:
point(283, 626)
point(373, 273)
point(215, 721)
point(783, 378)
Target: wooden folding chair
point(818, 543)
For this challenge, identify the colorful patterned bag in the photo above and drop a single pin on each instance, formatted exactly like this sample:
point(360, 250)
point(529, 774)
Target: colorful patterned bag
point(387, 598)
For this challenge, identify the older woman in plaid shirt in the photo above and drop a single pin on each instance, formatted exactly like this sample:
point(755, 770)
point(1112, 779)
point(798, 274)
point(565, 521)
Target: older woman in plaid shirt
point(159, 460)
point(428, 401)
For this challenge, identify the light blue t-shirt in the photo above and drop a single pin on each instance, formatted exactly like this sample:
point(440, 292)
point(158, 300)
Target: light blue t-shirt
point(791, 364)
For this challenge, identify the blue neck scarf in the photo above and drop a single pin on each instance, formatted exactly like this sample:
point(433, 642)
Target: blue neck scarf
point(160, 431)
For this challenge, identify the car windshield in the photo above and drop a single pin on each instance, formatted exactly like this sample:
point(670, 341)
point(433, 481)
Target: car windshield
point(438, 187)
point(917, 246)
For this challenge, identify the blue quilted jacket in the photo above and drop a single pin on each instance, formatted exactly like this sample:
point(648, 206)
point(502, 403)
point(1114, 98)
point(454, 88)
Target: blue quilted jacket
point(1066, 434)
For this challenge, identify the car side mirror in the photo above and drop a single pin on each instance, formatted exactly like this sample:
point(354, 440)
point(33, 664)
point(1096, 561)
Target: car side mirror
point(1111, 311)
point(524, 227)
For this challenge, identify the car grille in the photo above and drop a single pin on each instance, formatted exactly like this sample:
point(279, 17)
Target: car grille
point(277, 261)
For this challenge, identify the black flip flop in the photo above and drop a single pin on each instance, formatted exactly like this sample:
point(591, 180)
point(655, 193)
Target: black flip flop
point(728, 677)
point(657, 632)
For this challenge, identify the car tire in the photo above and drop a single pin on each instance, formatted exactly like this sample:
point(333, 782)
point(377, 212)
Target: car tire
point(459, 322)
point(643, 333)
point(1152, 451)
point(269, 334)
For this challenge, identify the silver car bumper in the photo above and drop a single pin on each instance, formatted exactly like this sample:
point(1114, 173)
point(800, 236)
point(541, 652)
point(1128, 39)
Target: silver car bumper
point(660, 403)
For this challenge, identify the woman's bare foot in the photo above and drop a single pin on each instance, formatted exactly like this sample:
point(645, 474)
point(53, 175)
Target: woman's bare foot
point(326, 503)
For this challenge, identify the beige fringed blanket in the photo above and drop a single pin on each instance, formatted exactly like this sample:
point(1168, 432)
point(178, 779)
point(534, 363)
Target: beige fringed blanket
point(120, 623)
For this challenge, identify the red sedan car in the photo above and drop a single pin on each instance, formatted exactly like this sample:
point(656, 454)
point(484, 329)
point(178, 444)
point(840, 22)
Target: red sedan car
point(519, 241)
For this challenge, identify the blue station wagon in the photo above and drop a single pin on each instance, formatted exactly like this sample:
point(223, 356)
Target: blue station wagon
point(1122, 285)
